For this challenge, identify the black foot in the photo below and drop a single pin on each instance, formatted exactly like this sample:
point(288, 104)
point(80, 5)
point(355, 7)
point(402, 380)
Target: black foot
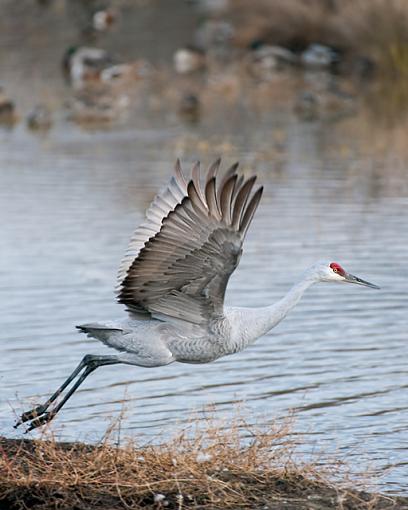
point(41, 420)
point(30, 415)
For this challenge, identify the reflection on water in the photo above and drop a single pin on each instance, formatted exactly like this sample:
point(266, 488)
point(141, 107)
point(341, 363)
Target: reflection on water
point(68, 204)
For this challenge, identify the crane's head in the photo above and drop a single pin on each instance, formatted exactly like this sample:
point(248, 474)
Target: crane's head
point(333, 272)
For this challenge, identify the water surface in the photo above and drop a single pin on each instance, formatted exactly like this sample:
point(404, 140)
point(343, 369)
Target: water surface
point(69, 201)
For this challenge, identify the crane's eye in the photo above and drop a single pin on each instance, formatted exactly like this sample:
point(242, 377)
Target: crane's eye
point(335, 270)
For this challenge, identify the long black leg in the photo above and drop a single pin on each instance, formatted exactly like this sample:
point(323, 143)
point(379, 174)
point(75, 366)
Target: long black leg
point(33, 413)
point(39, 415)
point(47, 416)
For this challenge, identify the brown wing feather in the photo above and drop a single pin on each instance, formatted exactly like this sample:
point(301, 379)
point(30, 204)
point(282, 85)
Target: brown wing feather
point(183, 269)
point(226, 194)
point(211, 198)
point(241, 201)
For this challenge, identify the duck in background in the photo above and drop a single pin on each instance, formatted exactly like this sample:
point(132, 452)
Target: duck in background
point(83, 64)
point(265, 59)
point(319, 56)
point(104, 19)
point(8, 114)
point(99, 22)
point(39, 119)
point(189, 59)
point(189, 108)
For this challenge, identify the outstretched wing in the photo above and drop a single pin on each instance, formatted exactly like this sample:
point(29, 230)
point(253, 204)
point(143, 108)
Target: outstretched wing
point(179, 261)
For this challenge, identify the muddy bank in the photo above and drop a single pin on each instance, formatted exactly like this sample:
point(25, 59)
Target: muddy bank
point(48, 474)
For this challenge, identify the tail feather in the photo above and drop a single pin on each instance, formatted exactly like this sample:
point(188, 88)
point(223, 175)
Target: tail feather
point(99, 331)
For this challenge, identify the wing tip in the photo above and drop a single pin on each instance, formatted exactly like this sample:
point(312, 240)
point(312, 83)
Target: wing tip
point(249, 211)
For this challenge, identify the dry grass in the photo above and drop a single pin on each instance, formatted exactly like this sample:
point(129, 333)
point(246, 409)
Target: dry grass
point(373, 28)
point(378, 28)
point(293, 23)
point(212, 466)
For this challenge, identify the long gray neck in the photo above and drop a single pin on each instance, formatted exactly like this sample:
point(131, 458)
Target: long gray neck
point(273, 314)
point(251, 323)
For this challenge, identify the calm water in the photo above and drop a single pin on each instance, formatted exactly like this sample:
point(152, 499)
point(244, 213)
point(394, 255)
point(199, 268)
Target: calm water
point(69, 201)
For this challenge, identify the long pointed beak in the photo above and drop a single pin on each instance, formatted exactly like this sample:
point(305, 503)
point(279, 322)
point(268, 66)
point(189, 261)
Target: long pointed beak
point(350, 278)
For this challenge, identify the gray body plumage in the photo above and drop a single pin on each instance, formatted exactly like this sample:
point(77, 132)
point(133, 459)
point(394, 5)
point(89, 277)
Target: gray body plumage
point(155, 342)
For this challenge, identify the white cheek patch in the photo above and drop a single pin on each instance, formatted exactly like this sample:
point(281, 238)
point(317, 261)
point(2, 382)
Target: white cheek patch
point(336, 276)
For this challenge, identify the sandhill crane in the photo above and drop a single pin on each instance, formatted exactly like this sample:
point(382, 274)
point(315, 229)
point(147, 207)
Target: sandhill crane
point(173, 278)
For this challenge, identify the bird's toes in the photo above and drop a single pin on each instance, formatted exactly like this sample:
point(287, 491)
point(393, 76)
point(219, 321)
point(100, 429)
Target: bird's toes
point(31, 415)
point(41, 420)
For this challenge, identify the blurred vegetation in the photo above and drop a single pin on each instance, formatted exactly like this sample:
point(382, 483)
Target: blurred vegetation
point(376, 29)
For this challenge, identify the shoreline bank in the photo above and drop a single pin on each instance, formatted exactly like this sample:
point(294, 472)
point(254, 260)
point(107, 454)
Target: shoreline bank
point(48, 474)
